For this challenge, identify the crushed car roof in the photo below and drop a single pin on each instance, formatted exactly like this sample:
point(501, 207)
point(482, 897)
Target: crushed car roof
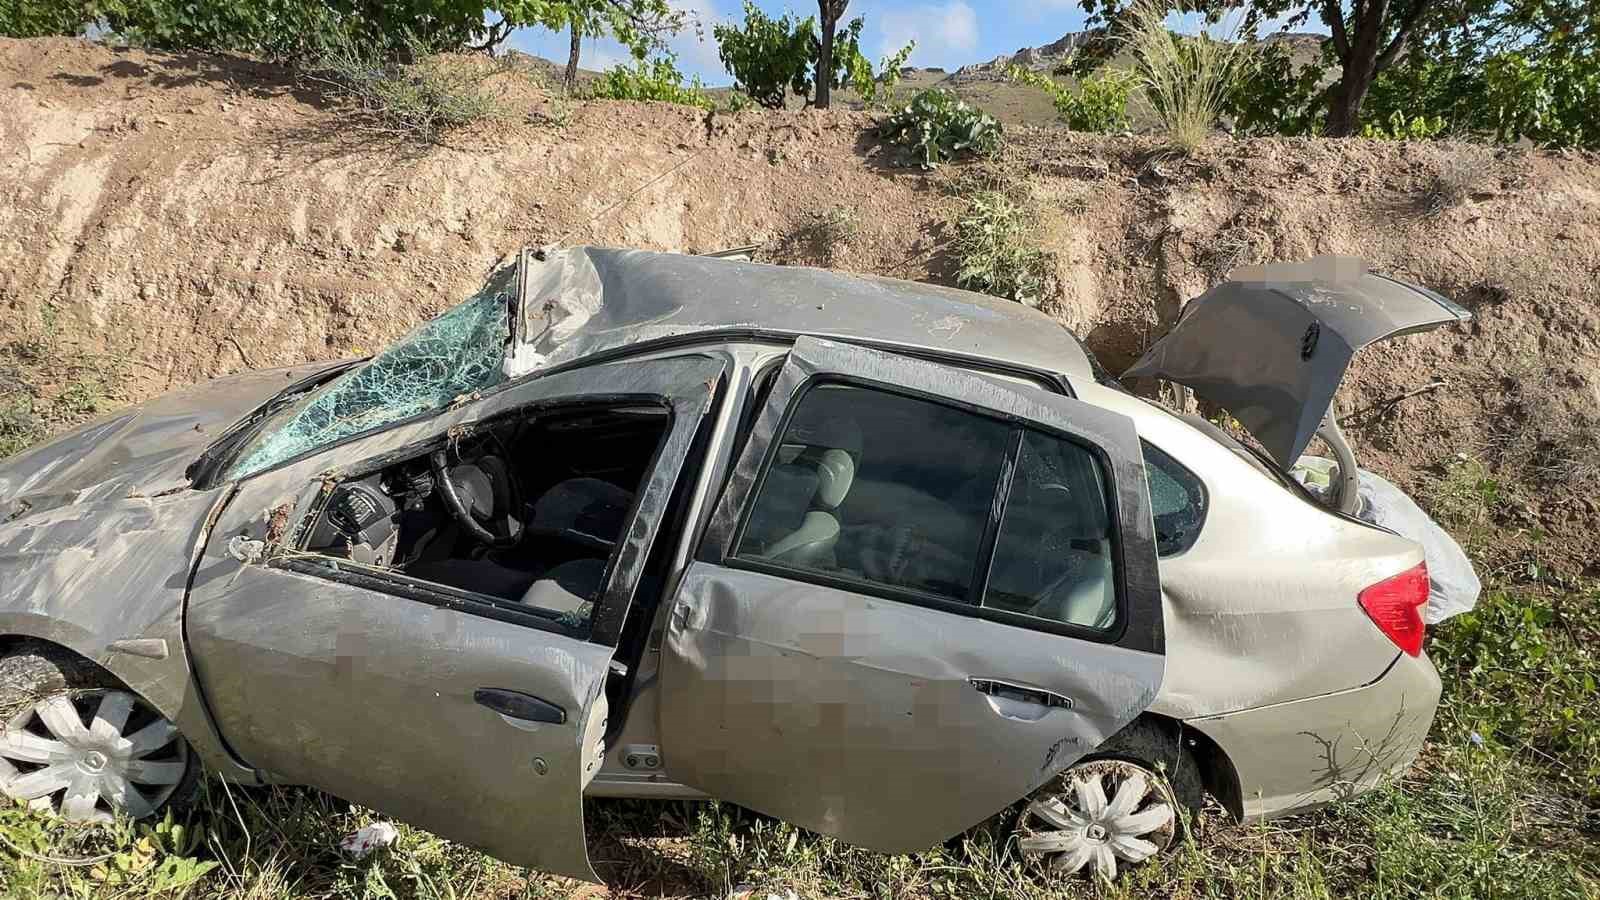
point(579, 302)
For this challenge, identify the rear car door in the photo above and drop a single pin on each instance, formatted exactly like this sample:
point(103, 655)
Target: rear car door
point(922, 593)
point(479, 719)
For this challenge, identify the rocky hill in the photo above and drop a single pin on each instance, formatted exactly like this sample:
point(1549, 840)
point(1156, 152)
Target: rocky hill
point(170, 218)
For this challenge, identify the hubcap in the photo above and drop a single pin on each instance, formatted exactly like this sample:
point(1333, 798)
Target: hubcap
point(89, 754)
point(1072, 825)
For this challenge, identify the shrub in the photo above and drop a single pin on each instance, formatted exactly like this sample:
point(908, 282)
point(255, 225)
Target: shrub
point(1187, 80)
point(998, 250)
point(936, 126)
point(40, 18)
point(421, 100)
point(1099, 103)
point(654, 80)
point(868, 83)
point(1275, 98)
point(771, 58)
point(768, 57)
point(1401, 127)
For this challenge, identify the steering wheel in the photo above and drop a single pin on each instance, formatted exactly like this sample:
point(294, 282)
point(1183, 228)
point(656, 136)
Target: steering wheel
point(463, 510)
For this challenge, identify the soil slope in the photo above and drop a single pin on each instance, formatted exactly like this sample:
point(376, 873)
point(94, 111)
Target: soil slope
point(168, 219)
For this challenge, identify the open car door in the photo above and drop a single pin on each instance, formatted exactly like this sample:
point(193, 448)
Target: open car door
point(478, 717)
point(922, 593)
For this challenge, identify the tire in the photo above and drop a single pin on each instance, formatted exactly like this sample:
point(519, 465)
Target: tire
point(1128, 801)
point(76, 741)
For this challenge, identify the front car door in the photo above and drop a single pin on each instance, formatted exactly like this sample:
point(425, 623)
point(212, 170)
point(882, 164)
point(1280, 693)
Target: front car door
point(478, 719)
point(922, 594)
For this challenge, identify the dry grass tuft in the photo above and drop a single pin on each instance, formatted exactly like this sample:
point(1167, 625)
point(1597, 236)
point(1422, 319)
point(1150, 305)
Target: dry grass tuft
point(1185, 79)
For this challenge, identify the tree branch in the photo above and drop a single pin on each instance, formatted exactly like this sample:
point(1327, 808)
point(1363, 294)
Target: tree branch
point(1333, 16)
point(496, 33)
point(1407, 24)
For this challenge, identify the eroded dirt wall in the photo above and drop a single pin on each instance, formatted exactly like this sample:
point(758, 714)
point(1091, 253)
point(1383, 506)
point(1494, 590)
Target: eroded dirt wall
point(165, 219)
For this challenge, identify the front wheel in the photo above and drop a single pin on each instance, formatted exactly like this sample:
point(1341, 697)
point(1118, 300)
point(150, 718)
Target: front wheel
point(79, 744)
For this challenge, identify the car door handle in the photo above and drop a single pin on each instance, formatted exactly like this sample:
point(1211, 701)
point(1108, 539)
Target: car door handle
point(994, 687)
point(520, 706)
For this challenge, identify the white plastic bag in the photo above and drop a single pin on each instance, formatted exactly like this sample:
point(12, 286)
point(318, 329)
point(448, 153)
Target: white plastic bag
point(1453, 585)
point(362, 841)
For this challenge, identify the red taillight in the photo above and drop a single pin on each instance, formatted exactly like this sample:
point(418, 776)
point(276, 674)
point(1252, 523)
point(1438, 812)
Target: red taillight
point(1395, 604)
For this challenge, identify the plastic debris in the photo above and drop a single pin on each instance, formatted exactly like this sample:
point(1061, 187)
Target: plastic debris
point(363, 841)
point(1453, 585)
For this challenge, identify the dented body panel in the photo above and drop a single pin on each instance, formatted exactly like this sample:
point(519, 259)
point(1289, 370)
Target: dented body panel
point(836, 709)
point(1301, 754)
point(588, 301)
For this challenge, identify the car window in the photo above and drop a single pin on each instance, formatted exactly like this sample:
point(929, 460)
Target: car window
point(1177, 499)
point(456, 353)
point(1053, 556)
point(881, 488)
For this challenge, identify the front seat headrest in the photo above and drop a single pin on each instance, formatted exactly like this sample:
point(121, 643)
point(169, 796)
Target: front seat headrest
point(836, 472)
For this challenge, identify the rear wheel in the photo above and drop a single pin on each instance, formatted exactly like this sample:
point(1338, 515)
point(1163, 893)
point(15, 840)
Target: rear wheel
point(1124, 805)
point(77, 742)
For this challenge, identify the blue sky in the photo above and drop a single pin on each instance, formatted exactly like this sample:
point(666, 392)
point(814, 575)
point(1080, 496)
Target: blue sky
point(948, 33)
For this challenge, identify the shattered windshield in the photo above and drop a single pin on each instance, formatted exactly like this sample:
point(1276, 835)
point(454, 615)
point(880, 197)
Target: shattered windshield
point(456, 353)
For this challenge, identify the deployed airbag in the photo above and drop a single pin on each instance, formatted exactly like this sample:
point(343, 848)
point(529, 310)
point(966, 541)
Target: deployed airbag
point(1453, 586)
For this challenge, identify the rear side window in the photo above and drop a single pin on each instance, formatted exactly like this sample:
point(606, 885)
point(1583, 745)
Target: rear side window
point(1053, 558)
point(880, 488)
point(1177, 499)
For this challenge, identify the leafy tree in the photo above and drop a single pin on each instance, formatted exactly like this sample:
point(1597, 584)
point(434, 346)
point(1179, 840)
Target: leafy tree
point(767, 57)
point(830, 11)
point(39, 18)
point(304, 29)
point(771, 58)
point(1365, 39)
point(640, 25)
point(1277, 98)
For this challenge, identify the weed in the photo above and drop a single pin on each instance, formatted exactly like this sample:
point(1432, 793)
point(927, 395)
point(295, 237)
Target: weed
point(419, 100)
point(1400, 127)
point(936, 126)
point(19, 425)
point(655, 80)
point(1186, 80)
point(84, 397)
point(1549, 428)
point(820, 236)
point(1459, 176)
point(997, 247)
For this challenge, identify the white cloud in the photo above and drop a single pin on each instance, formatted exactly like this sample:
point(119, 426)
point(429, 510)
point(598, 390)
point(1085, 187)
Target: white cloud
point(946, 33)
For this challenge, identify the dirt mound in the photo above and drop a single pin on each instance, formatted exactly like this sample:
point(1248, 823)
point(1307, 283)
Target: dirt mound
point(173, 218)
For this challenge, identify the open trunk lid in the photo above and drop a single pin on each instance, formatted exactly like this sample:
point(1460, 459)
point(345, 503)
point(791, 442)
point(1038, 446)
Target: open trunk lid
point(1272, 343)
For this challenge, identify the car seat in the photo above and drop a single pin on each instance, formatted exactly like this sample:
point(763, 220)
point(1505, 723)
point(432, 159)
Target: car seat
point(796, 520)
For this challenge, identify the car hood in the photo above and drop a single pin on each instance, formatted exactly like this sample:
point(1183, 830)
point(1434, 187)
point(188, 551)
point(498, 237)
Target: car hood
point(1272, 343)
point(143, 450)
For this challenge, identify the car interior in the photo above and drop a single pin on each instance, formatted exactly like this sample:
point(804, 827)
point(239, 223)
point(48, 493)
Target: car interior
point(896, 491)
point(527, 510)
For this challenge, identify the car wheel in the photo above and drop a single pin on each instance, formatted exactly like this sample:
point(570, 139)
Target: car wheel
point(77, 742)
point(1131, 800)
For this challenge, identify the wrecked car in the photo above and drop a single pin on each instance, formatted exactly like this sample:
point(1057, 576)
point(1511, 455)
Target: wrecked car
point(881, 559)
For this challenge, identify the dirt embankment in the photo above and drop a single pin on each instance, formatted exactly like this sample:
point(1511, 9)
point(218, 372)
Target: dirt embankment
point(172, 218)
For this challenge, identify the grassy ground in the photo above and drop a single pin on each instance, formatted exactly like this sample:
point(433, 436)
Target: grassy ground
point(1504, 803)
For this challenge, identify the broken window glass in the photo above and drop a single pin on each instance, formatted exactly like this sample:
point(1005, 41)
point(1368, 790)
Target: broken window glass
point(454, 354)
